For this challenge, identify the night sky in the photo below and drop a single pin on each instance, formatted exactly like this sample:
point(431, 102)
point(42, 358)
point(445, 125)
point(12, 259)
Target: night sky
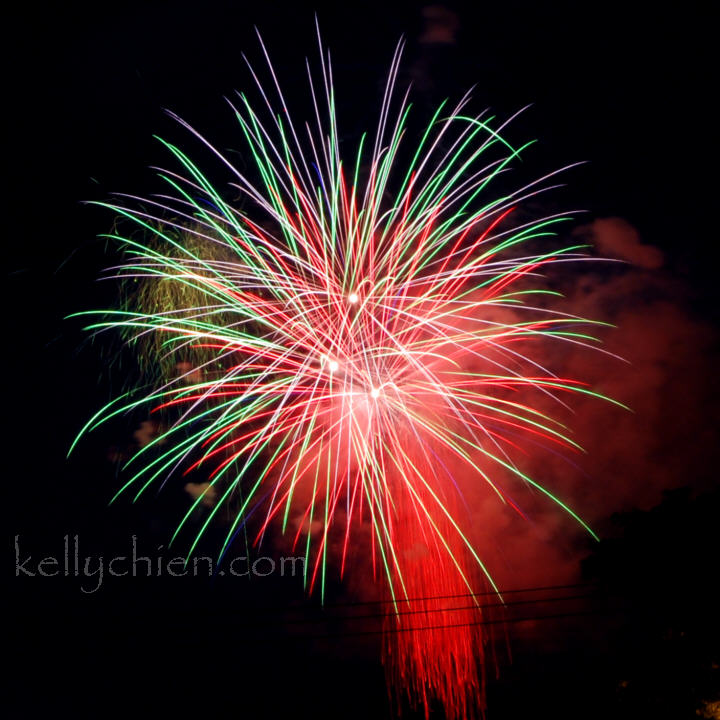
point(626, 88)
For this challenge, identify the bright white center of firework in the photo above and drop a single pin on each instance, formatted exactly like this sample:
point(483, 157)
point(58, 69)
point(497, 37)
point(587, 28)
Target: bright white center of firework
point(353, 298)
point(334, 365)
point(374, 393)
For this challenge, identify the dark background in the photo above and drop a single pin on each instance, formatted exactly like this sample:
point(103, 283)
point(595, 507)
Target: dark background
point(625, 87)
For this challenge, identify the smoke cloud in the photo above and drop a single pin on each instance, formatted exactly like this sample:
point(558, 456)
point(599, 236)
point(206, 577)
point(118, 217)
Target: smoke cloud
point(659, 361)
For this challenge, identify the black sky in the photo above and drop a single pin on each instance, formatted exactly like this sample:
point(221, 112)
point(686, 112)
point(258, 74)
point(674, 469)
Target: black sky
point(626, 87)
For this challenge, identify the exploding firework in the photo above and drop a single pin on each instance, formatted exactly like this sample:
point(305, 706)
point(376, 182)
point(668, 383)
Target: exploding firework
point(359, 342)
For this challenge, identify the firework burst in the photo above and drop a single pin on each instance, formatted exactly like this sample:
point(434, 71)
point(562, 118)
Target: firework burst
point(364, 340)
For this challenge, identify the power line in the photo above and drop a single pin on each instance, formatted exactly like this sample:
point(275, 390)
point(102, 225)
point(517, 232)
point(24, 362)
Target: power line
point(446, 608)
point(458, 625)
point(422, 598)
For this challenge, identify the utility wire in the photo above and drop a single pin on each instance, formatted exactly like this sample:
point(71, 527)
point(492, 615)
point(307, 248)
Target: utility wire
point(423, 598)
point(445, 608)
point(458, 625)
